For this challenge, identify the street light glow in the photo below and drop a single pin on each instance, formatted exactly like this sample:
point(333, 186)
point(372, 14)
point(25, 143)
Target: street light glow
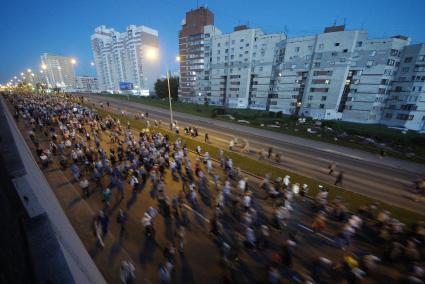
point(152, 53)
point(92, 63)
point(178, 58)
point(43, 66)
point(73, 61)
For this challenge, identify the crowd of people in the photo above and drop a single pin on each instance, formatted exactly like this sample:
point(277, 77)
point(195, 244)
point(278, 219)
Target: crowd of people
point(107, 159)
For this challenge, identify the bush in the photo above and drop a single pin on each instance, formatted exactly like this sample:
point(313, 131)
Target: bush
point(272, 114)
point(279, 114)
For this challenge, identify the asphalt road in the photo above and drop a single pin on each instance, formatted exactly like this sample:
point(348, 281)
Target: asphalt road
point(386, 179)
point(201, 260)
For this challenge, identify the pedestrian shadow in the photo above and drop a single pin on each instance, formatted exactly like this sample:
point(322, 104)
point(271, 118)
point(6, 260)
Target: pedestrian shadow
point(187, 272)
point(62, 184)
point(74, 201)
point(168, 229)
point(132, 200)
point(51, 170)
point(146, 256)
point(115, 249)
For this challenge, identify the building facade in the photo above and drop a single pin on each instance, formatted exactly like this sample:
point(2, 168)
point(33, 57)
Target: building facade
point(128, 57)
point(87, 84)
point(238, 68)
point(58, 70)
point(406, 102)
point(197, 28)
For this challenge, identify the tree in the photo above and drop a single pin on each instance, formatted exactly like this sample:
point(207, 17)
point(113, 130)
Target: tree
point(161, 87)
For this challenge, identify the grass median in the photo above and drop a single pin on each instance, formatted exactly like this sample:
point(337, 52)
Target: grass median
point(354, 200)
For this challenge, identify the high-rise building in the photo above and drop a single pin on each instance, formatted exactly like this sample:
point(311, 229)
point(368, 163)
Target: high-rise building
point(406, 103)
point(337, 74)
point(238, 68)
point(86, 83)
point(59, 70)
point(130, 58)
point(197, 27)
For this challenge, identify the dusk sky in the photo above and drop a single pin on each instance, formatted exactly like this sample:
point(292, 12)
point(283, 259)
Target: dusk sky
point(31, 27)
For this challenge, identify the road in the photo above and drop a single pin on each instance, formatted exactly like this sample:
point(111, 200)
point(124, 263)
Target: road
point(386, 179)
point(200, 262)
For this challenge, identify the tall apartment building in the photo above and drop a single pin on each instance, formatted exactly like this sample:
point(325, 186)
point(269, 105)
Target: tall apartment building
point(239, 68)
point(406, 103)
point(59, 70)
point(196, 29)
point(131, 57)
point(338, 74)
point(87, 83)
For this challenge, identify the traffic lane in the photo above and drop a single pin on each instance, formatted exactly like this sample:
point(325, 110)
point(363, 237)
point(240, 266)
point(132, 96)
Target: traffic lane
point(275, 136)
point(371, 182)
point(253, 139)
point(260, 268)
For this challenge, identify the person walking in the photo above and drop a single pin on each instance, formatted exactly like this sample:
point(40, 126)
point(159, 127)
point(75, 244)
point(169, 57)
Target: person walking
point(339, 178)
point(207, 139)
point(127, 270)
point(121, 220)
point(84, 184)
point(270, 151)
point(331, 167)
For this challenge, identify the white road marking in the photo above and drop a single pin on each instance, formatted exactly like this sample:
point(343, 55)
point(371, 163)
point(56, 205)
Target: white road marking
point(196, 212)
point(318, 234)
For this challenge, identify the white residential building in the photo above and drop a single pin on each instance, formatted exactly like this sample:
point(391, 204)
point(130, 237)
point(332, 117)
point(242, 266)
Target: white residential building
point(238, 69)
point(406, 103)
point(128, 57)
point(59, 70)
point(87, 84)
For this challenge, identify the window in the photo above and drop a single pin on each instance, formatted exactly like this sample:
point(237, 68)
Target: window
point(322, 106)
point(419, 68)
point(320, 81)
point(323, 98)
point(394, 52)
point(317, 64)
point(310, 98)
point(297, 49)
point(369, 63)
point(318, 56)
point(233, 41)
point(322, 73)
point(345, 50)
point(226, 50)
point(218, 51)
point(319, 90)
point(310, 47)
point(218, 44)
point(342, 59)
point(337, 44)
point(241, 40)
point(385, 82)
point(359, 43)
point(408, 59)
point(402, 116)
point(334, 53)
point(321, 46)
point(405, 69)
point(381, 91)
point(391, 62)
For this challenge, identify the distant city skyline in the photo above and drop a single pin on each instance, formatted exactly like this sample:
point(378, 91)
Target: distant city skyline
point(65, 28)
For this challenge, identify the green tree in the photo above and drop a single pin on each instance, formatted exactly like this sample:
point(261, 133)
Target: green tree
point(161, 87)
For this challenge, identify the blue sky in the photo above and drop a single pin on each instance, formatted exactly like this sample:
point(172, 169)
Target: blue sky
point(29, 28)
